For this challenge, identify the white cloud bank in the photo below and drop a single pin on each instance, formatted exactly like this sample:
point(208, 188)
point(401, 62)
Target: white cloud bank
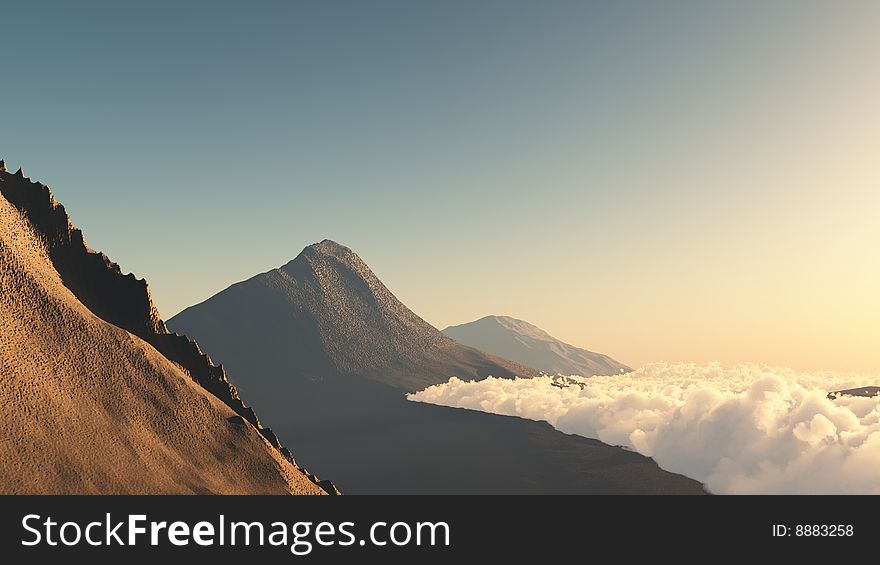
point(747, 429)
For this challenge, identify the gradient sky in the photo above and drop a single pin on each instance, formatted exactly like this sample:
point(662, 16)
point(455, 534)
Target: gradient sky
point(654, 180)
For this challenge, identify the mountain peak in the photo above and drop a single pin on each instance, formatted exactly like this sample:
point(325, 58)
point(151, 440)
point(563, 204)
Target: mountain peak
point(327, 260)
point(526, 343)
point(506, 320)
point(340, 320)
point(328, 248)
point(512, 324)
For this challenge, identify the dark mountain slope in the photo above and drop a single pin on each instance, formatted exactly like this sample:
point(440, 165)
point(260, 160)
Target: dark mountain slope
point(330, 313)
point(328, 353)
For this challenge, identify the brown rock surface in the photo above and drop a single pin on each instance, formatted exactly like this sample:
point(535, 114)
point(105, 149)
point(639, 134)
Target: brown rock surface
point(90, 406)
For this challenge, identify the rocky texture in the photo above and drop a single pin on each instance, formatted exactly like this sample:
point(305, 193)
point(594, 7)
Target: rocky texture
point(72, 365)
point(327, 353)
point(866, 391)
point(526, 343)
point(336, 318)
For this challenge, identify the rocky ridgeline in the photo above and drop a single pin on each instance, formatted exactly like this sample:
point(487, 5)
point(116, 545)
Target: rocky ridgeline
point(122, 300)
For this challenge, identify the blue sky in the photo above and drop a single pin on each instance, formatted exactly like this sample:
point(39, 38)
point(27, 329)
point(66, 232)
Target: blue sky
point(655, 180)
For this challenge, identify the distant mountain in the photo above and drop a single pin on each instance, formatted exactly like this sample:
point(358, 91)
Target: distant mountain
point(528, 344)
point(327, 353)
point(97, 396)
point(865, 391)
point(331, 316)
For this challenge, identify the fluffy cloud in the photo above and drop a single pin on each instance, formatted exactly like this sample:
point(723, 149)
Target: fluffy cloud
point(746, 429)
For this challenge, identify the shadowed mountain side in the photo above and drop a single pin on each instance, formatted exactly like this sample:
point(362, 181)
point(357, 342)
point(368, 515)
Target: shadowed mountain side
point(328, 312)
point(372, 440)
point(328, 354)
point(90, 407)
point(526, 343)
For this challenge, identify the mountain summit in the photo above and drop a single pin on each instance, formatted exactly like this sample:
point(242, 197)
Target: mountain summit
point(526, 343)
point(335, 319)
point(327, 352)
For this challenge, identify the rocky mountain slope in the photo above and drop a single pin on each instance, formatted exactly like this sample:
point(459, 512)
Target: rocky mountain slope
point(98, 397)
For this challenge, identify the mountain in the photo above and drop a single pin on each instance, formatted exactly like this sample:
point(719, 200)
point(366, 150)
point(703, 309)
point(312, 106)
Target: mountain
point(528, 344)
point(865, 391)
point(98, 397)
point(328, 353)
point(329, 313)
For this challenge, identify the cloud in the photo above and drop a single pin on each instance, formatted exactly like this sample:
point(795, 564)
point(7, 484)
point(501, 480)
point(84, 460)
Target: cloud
point(746, 429)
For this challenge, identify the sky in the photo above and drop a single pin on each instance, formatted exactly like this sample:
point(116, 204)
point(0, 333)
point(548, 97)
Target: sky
point(658, 181)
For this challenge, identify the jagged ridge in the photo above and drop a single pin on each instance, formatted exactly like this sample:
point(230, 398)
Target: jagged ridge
point(123, 300)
